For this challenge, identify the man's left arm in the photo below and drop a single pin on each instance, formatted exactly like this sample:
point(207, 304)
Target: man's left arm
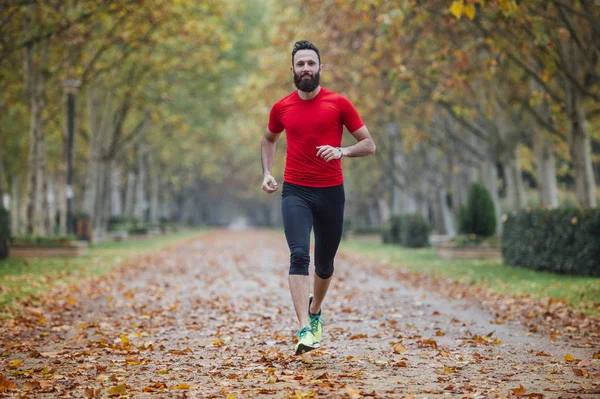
point(364, 146)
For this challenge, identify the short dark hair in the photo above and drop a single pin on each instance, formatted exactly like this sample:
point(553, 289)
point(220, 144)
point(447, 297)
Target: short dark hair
point(305, 45)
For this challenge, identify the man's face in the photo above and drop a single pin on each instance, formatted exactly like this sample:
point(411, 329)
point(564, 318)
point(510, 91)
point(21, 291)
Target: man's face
point(306, 70)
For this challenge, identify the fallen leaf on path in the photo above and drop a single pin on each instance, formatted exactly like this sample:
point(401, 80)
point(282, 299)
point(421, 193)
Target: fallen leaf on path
point(581, 373)
point(29, 386)
point(428, 342)
point(520, 391)
point(399, 348)
point(570, 358)
point(180, 386)
point(91, 393)
point(118, 390)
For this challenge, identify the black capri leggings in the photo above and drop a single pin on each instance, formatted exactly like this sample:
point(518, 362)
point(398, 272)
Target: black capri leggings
point(304, 207)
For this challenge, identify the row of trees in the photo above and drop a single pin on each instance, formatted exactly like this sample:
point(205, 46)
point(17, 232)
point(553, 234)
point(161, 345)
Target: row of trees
point(174, 97)
point(479, 91)
point(154, 104)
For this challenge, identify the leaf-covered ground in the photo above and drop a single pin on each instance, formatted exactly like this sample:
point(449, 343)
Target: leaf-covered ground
point(214, 318)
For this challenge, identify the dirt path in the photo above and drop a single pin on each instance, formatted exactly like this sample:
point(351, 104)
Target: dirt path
point(214, 319)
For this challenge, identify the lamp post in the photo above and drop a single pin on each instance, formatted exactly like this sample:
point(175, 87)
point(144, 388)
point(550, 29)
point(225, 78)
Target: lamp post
point(70, 87)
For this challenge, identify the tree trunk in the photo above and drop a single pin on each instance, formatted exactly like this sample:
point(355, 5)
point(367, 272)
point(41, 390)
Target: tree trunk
point(130, 194)
point(100, 192)
point(43, 190)
point(441, 212)
point(61, 188)
point(515, 189)
point(462, 180)
point(35, 83)
point(154, 191)
point(15, 209)
point(580, 150)
point(33, 161)
point(384, 210)
point(578, 137)
point(116, 205)
point(141, 202)
point(52, 205)
point(546, 172)
point(62, 182)
point(102, 201)
point(96, 113)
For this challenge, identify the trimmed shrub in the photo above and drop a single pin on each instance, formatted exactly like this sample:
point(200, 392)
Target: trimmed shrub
point(367, 230)
point(408, 230)
point(4, 233)
point(473, 241)
point(391, 234)
point(564, 241)
point(415, 231)
point(43, 241)
point(138, 230)
point(479, 215)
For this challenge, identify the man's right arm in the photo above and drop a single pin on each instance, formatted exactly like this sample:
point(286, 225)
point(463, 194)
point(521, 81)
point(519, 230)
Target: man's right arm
point(268, 148)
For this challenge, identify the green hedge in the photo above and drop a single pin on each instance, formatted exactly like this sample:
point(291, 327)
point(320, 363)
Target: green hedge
point(42, 241)
point(367, 230)
point(4, 232)
point(564, 241)
point(408, 230)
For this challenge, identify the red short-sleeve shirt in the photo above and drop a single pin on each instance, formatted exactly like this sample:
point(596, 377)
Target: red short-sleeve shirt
point(309, 124)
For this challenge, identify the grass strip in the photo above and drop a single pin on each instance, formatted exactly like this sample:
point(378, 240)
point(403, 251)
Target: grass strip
point(26, 278)
point(581, 293)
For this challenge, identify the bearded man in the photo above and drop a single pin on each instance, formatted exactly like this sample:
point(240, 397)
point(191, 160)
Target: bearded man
point(313, 190)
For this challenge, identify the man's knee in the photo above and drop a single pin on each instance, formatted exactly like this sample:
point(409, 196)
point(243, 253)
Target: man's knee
point(299, 261)
point(324, 271)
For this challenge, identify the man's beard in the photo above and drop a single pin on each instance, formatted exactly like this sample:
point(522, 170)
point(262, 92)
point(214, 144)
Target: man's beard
point(307, 85)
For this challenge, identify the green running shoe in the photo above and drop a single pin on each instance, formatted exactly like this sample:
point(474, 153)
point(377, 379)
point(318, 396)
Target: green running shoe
point(316, 321)
point(306, 341)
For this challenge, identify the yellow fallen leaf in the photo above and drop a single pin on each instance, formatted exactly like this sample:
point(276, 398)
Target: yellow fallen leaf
point(124, 339)
point(163, 371)
point(302, 395)
point(181, 386)
point(15, 363)
point(118, 390)
point(569, 357)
